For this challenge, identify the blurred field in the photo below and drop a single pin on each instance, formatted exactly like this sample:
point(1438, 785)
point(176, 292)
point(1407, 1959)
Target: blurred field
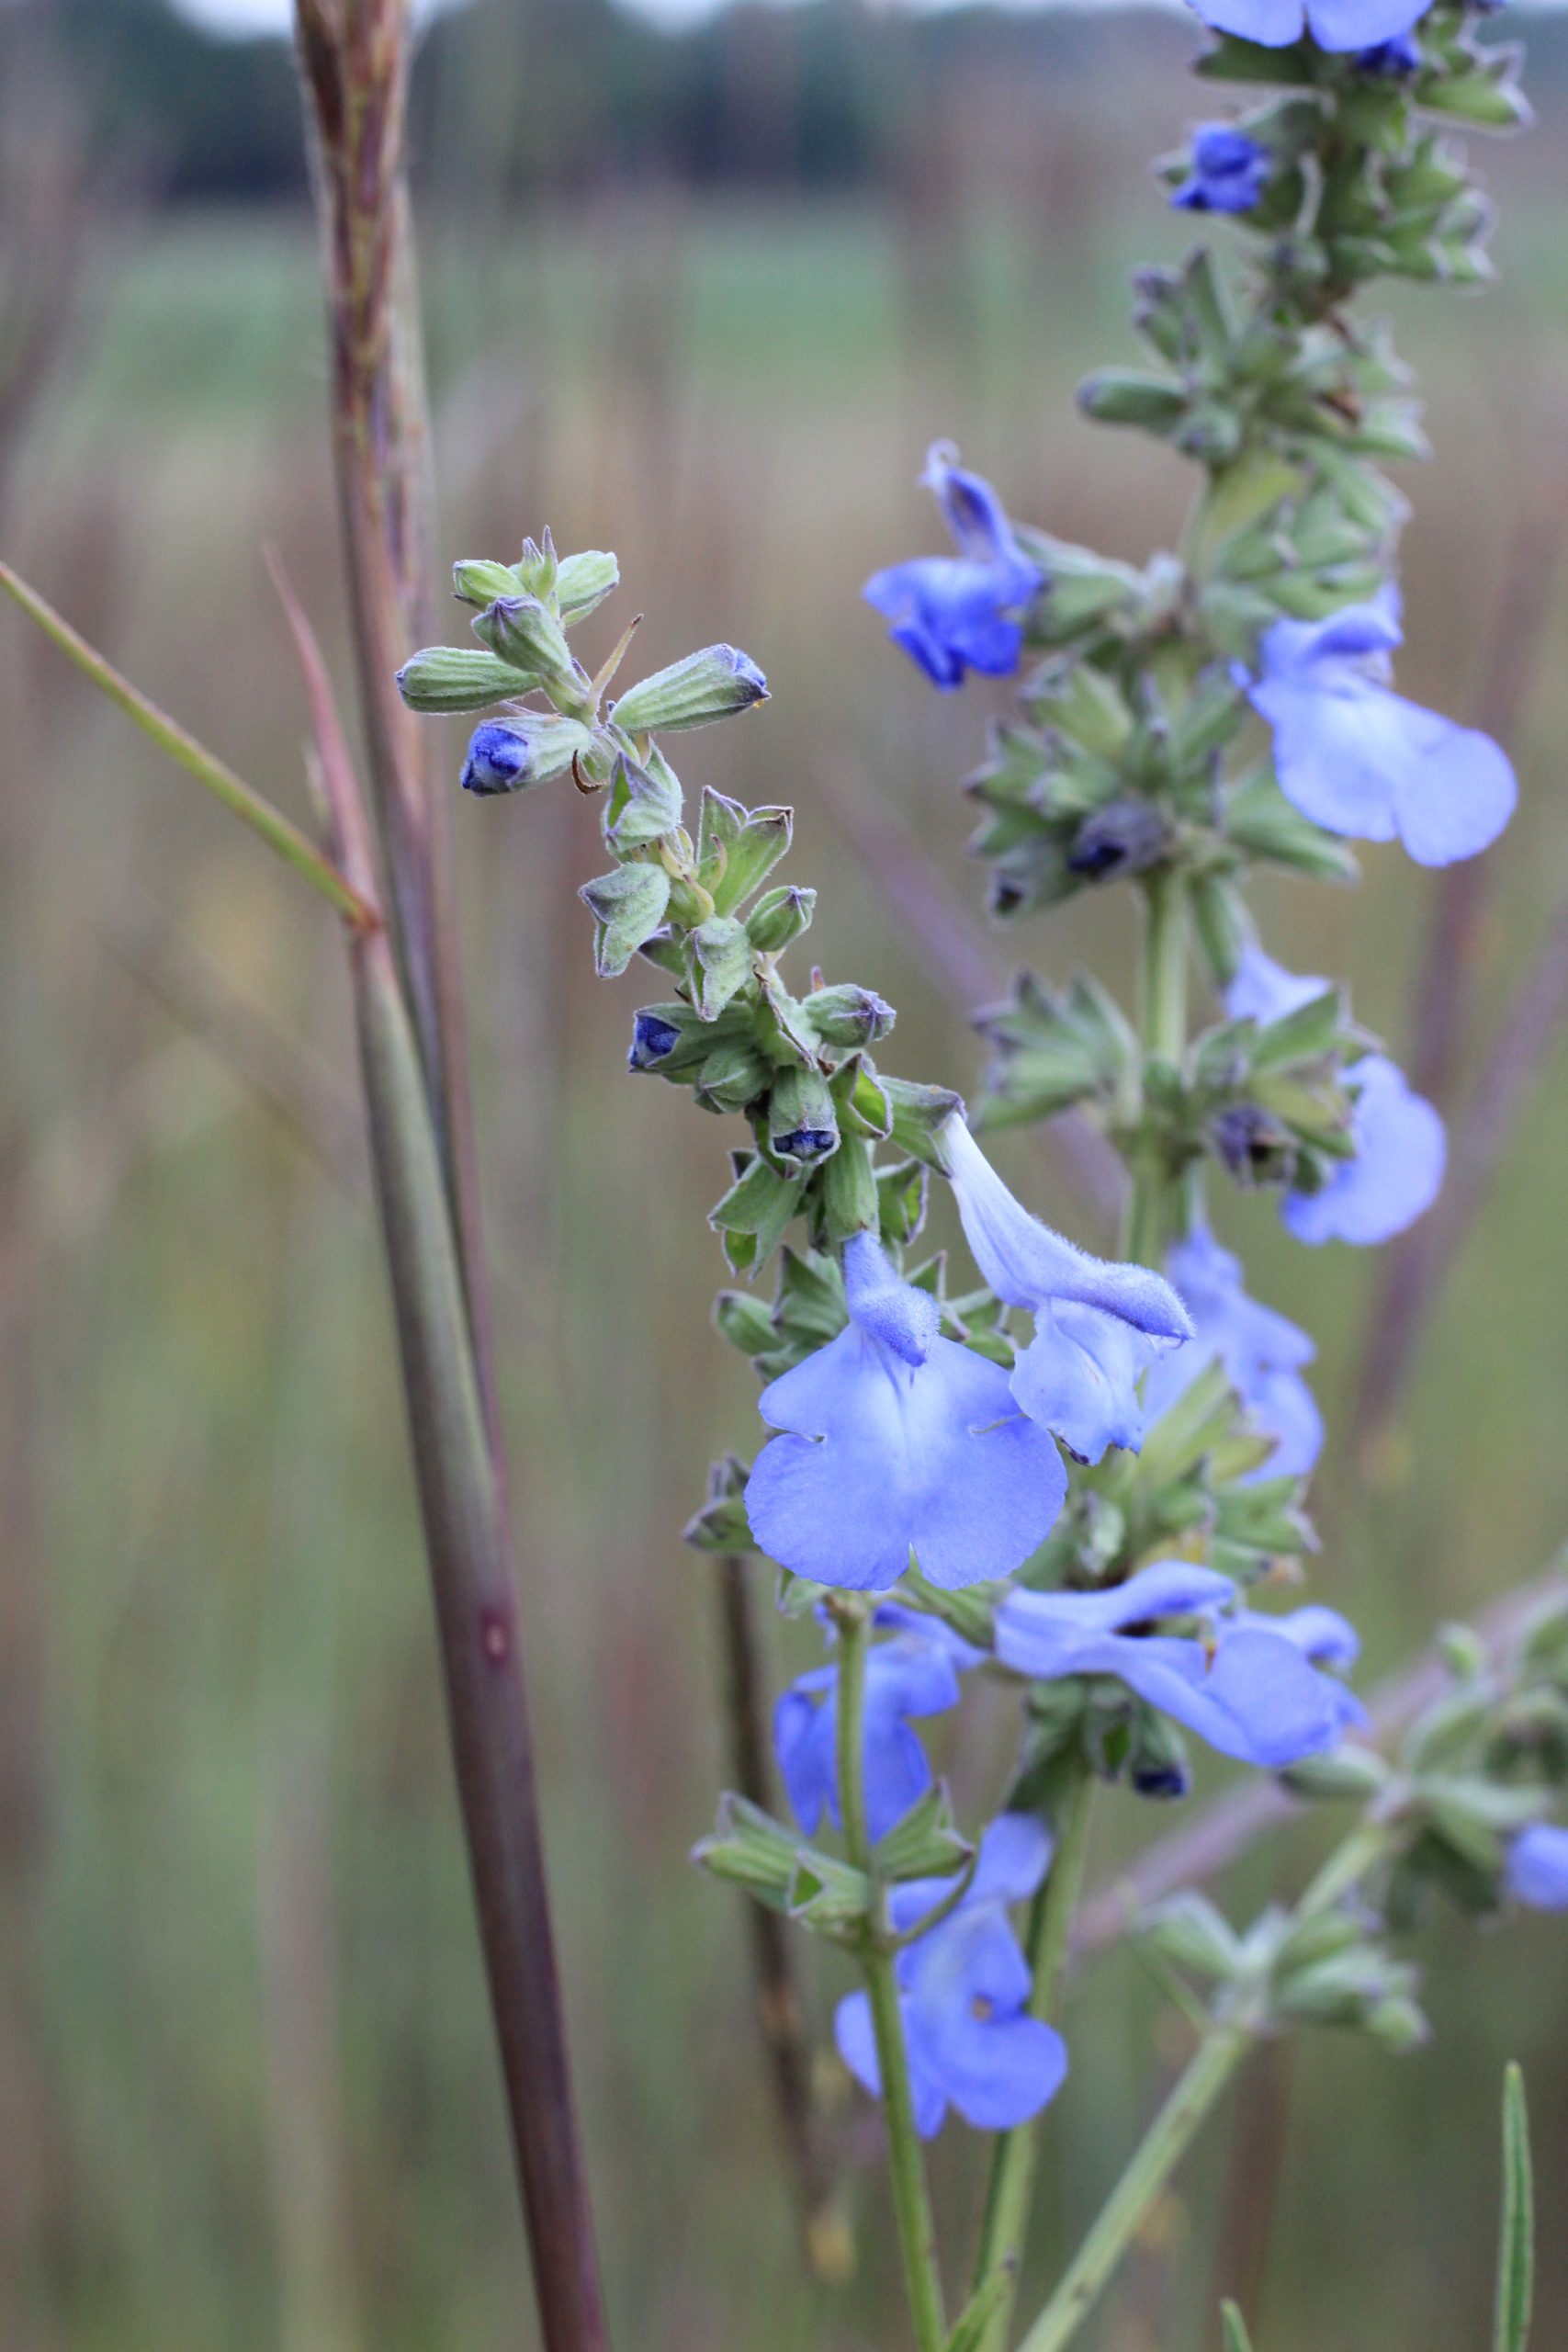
point(246, 2096)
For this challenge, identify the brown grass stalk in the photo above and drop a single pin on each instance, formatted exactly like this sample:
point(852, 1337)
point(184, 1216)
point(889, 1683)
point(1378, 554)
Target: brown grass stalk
point(468, 1539)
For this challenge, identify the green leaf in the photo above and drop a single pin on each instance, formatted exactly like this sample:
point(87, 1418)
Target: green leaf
point(927, 1843)
point(644, 804)
point(737, 847)
point(973, 2324)
point(719, 959)
point(1515, 2258)
point(751, 1217)
point(1235, 2327)
point(749, 1848)
point(627, 907)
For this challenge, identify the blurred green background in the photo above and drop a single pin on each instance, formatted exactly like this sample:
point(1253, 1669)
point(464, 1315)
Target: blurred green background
point(704, 301)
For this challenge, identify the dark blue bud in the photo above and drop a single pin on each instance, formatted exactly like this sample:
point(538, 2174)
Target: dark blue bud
point(1165, 1779)
point(1399, 56)
point(1254, 1147)
point(653, 1039)
point(1230, 171)
point(507, 755)
point(1127, 837)
point(805, 1143)
point(497, 757)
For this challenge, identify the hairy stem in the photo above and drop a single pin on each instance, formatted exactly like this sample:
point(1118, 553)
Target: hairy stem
point(1162, 1014)
point(1005, 2215)
point(906, 2158)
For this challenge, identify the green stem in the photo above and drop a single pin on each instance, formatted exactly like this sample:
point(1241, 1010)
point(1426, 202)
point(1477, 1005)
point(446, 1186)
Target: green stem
point(1162, 1011)
point(1217, 2056)
point(1169, 2137)
point(278, 831)
point(1007, 2191)
point(905, 2159)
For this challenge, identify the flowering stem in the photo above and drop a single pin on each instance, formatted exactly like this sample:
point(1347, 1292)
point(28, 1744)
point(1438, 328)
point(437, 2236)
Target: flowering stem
point(1208, 2072)
point(1007, 2191)
point(1215, 2060)
point(906, 2160)
point(1163, 1023)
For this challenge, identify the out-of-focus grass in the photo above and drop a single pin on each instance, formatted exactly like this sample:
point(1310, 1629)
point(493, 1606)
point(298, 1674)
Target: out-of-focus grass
point(245, 2082)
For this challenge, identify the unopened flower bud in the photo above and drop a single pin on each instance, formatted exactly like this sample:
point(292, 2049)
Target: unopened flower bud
point(1256, 1148)
point(527, 634)
point(481, 583)
point(509, 754)
point(802, 1123)
point(1126, 837)
point(459, 677)
point(778, 917)
point(584, 581)
point(849, 1015)
point(712, 684)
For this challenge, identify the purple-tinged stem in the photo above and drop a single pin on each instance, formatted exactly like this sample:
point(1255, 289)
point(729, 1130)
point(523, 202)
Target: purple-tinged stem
point(468, 1539)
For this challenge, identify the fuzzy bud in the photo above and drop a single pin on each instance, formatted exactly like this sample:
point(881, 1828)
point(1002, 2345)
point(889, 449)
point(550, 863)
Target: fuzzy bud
point(712, 684)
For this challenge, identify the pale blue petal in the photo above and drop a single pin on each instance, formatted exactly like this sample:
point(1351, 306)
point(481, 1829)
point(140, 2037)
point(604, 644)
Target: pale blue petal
point(892, 1616)
point(966, 2024)
point(1365, 633)
point(1272, 23)
point(856, 2036)
point(1251, 1692)
point(1335, 741)
point(1041, 1634)
point(831, 1501)
point(970, 507)
point(803, 1742)
point(1282, 1406)
point(989, 1484)
point(1538, 1867)
point(1397, 1173)
point(1320, 1633)
point(1454, 793)
point(903, 1318)
point(1079, 1377)
point(883, 1455)
point(1261, 1351)
point(1361, 24)
point(1263, 991)
point(1026, 1263)
point(1015, 1854)
point(1267, 1707)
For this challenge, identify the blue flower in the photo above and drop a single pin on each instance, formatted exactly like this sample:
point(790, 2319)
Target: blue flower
point(1401, 1145)
point(1261, 1350)
point(1230, 171)
point(898, 1442)
point(963, 1996)
point(915, 1673)
point(1096, 1327)
point(1333, 23)
point(1357, 758)
point(953, 612)
point(1537, 1872)
point(1248, 1684)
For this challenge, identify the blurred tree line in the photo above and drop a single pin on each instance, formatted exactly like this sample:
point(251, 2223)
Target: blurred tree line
point(522, 95)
